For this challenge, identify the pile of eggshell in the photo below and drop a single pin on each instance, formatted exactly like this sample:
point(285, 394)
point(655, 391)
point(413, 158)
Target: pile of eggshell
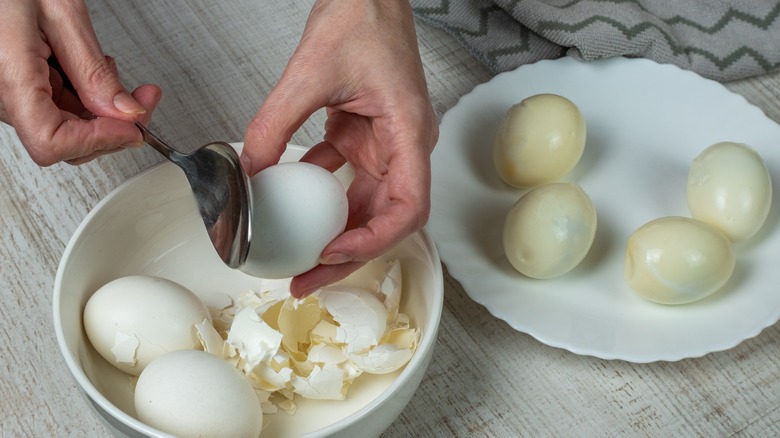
point(215, 370)
point(670, 260)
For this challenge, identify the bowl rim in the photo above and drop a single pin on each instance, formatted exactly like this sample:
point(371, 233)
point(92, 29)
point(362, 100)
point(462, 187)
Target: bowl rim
point(427, 340)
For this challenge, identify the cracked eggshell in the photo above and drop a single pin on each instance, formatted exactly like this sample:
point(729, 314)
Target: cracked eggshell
point(193, 393)
point(394, 352)
point(361, 317)
point(550, 230)
point(297, 319)
point(729, 187)
point(210, 339)
point(540, 140)
point(132, 320)
point(390, 288)
point(382, 359)
point(326, 382)
point(255, 341)
point(298, 208)
point(677, 260)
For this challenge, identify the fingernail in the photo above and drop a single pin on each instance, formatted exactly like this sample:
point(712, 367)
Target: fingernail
point(304, 293)
point(336, 258)
point(133, 144)
point(125, 103)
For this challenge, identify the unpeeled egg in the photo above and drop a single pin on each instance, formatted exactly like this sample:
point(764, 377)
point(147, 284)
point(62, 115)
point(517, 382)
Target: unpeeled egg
point(298, 208)
point(135, 319)
point(196, 394)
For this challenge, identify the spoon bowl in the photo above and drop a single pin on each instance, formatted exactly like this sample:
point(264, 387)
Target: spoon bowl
point(222, 193)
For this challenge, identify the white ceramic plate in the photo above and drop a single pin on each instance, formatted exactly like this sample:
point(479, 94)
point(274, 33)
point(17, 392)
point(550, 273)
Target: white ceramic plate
point(646, 122)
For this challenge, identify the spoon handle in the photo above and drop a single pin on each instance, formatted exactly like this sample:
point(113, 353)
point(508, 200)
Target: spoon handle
point(155, 142)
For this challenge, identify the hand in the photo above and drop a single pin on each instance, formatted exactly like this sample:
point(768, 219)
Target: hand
point(53, 123)
point(359, 59)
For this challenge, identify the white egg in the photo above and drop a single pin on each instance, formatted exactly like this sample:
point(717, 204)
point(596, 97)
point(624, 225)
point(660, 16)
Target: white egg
point(133, 320)
point(729, 187)
point(549, 230)
point(677, 260)
point(540, 140)
point(298, 209)
point(196, 394)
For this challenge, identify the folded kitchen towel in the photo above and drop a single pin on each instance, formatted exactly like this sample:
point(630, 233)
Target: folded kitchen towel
point(721, 40)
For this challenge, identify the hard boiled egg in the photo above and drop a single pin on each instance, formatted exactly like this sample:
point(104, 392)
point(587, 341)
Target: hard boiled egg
point(196, 394)
point(677, 260)
point(729, 187)
point(133, 320)
point(298, 208)
point(549, 230)
point(539, 140)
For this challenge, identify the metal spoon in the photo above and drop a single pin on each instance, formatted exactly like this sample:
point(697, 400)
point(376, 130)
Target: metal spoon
point(222, 193)
point(219, 183)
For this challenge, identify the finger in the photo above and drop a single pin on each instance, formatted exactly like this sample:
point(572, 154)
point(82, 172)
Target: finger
point(382, 213)
point(52, 135)
point(65, 98)
point(149, 96)
point(307, 283)
point(293, 100)
point(380, 234)
point(81, 160)
point(78, 52)
point(324, 155)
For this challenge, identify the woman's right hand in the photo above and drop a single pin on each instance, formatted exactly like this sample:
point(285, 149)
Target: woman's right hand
point(52, 123)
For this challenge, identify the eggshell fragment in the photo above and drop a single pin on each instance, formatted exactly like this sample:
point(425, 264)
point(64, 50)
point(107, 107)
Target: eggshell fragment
point(361, 316)
point(317, 346)
point(326, 382)
point(549, 230)
point(124, 348)
point(132, 320)
point(729, 187)
point(210, 339)
point(253, 338)
point(298, 208)
point(677, 260)
point(390, 288)
point(193, 393)
point(391, 354)
point(297, 318)
point(540, 140)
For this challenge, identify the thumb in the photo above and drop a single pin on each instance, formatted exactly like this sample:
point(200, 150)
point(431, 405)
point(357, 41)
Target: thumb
point(93, 75)
point(288, 105)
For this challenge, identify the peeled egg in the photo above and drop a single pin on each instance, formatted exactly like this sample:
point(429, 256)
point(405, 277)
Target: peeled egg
point(194, 393)
point(677, 260)
point(133, 320)
point(539, 140)
point(298, 209)
point(729, 187)
point(549, 230)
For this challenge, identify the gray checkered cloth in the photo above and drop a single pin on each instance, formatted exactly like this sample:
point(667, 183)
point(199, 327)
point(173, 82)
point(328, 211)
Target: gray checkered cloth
point(721, 40)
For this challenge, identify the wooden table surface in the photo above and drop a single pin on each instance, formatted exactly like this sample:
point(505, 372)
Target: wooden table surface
point(216, 61)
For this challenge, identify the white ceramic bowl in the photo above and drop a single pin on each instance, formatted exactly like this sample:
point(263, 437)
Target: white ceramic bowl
point(149, 225)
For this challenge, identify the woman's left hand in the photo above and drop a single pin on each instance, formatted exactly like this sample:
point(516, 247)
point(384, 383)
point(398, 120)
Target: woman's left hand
point(358, 59)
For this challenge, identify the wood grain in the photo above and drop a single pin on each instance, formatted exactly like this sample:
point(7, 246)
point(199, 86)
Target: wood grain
point(216, 61)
